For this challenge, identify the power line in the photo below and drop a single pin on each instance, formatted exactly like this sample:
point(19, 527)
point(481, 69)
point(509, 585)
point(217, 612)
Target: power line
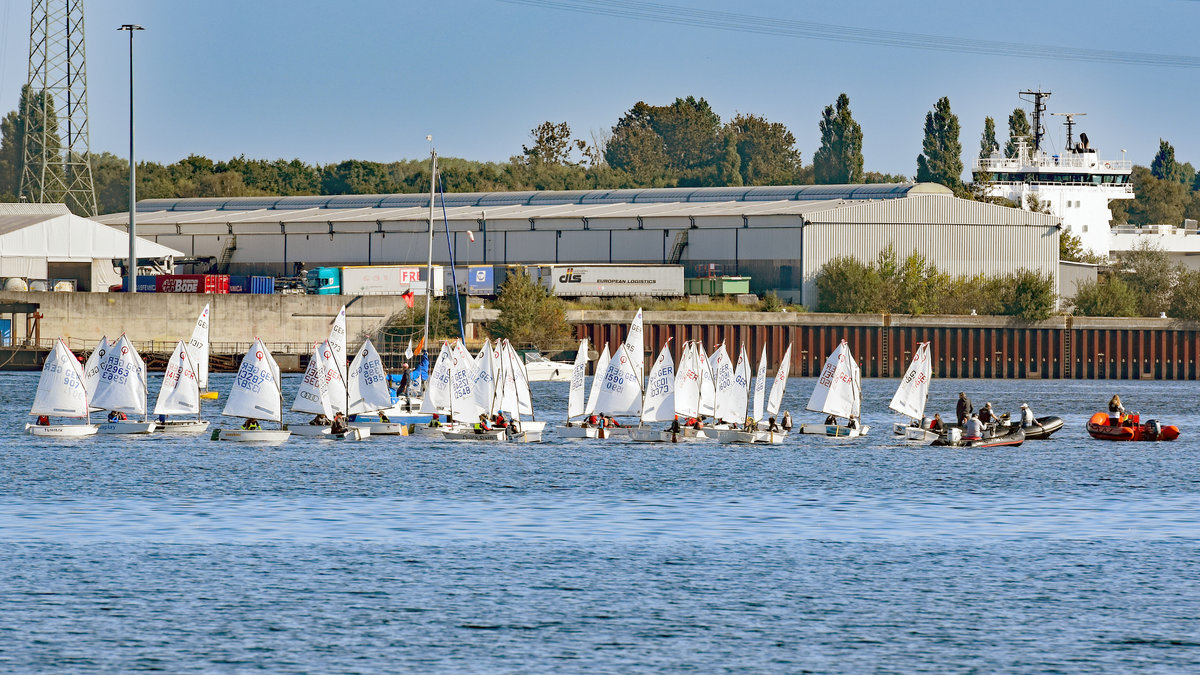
point(653, 12)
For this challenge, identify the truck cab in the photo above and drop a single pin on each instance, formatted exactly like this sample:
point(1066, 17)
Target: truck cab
point(324, 281)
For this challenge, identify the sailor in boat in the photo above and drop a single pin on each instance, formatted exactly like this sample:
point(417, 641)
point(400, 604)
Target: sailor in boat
point(434, 422)
point(339, 424)
point(1118, 410)
point(937, 426)
point(251, 424)
point(1027, 418)
point(964, 408)
point(319, 421)
point(787, 420)
point(43, 420)
point(973, 429)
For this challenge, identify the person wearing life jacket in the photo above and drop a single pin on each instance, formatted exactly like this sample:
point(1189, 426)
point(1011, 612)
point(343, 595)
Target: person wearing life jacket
point(434, 422)
point(251, 424)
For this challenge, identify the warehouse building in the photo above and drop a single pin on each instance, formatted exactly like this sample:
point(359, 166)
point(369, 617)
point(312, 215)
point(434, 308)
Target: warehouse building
point(780, 236)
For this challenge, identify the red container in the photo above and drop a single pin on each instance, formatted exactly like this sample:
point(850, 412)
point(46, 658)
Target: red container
point(192, 283)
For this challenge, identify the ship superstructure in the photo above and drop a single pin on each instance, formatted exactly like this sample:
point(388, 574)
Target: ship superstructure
point(1075, 184)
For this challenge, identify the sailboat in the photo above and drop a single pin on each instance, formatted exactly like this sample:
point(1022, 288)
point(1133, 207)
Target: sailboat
point(121, 388)
point(911, 396)
point(61, 393)
point(198, 346)
point(256, 395)
point(316, 393)
point(576, 404)
point(368, 392)
point(756, 429)
point(838, 393)
point(658, 403)
point(180, 394)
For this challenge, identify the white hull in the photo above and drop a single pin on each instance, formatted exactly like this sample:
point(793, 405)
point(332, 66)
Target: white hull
point(62, 430)
point(648, 435)
point(261, 436)
point(309, 430)
point(756, 436)
point(182, 427)
point(834, 430)
point(576, 432)
point(127, 427)
point(472, 435)
point(381, 428)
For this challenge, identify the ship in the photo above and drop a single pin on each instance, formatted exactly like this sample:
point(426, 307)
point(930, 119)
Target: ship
point(1075, 184)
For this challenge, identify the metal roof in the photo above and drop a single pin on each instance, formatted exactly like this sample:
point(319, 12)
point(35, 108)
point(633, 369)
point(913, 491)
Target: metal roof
point(769, 193)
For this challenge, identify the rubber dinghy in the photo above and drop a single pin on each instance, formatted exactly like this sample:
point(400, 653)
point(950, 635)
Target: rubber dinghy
point(1101, 426)
point(999, 437)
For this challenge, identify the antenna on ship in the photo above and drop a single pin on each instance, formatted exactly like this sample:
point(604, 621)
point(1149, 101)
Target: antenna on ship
point(1070, 122)
point(1039, 109)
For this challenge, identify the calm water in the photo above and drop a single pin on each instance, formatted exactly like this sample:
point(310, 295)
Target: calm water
point(815, 556)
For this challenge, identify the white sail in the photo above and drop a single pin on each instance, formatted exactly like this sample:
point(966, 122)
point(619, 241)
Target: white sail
point(760, 386)
point(337, 342)
point(601, 368)
point(725, 407)
point(575, 400)
point(198, 346)
point(61, 391)
point(255, 393)
point(437, 393)
point(914, 387)
point(313, 394)
point(836, 392)
point(367, 382)
point(91, 369)
point(659, 403)
point(636, 341)
point(687, 382)
point(741, 387)
point(620, 390)
point(122, 383)
point(775, 400)
point(180, 390)
point(521, 377)
point(708, 387)
point(462, 378)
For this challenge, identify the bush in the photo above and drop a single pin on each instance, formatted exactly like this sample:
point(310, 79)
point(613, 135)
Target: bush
point(528, 313)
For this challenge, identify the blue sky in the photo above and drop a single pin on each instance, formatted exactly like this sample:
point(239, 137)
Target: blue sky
point(326, 81)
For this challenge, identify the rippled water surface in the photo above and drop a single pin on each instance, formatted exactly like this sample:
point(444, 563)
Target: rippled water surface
point(186, 555)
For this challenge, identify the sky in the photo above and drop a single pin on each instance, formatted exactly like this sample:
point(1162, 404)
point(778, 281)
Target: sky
point(369, 79)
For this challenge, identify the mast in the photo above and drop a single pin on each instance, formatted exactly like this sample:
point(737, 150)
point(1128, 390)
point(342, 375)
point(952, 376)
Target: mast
point(429, 262)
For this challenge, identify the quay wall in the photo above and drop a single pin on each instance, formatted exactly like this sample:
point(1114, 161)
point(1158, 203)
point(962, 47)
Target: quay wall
point(1062, 347)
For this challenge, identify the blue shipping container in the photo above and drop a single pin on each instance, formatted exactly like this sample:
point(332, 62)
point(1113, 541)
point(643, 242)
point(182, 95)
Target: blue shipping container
point(262, 285)
point(239, 284)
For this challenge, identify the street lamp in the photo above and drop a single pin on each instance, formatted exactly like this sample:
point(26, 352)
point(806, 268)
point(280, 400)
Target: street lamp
point(131, 267)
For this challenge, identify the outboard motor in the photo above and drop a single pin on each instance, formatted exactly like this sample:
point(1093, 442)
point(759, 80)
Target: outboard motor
point(1153, 429)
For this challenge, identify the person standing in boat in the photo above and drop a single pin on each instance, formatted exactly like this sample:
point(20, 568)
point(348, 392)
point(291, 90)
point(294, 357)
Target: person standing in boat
point(964, 408)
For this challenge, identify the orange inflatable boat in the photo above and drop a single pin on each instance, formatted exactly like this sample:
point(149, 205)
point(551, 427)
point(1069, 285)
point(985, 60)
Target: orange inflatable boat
point(1130, 429)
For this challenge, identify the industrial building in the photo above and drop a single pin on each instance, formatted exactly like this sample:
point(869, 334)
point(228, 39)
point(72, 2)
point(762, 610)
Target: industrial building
point(780, 236)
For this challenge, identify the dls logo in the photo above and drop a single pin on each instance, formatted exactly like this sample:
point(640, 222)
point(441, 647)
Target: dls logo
point(570, 277)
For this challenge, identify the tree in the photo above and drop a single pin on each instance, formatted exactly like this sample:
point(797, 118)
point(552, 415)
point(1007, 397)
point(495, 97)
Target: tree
point(941, 161)
point(839, 160)
point(528, 313)
point(766, 151)
point(1018, 127)
point(552, 144)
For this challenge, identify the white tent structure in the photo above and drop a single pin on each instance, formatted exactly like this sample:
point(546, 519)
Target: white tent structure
point(47, 241)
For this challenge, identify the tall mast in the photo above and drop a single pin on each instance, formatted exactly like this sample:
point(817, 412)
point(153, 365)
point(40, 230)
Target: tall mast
point(429, 263)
